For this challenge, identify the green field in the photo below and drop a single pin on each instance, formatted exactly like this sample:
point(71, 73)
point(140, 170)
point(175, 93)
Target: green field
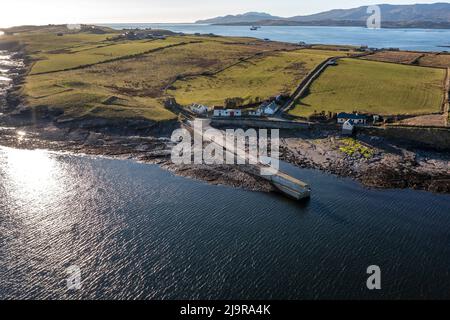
point(374, 87)
point(38, 42)
point(253, 80)
point(89, 75)
point(84, 74)
point(138, 84)
point(82, 56)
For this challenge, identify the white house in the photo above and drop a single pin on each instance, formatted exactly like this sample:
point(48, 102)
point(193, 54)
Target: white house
point(348, 127)
point(199, 109)
point(356, 118)
point(221, 112)
point(271, 108)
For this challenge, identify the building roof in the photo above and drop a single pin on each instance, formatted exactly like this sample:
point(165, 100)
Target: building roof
point(273, 106)
point(349, 121)
point(351, 116)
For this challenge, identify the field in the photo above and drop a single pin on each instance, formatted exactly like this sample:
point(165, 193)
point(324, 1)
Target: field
point(252, 80)
point(88, 75)
point(128, 85)
point(82, 56)
point(436, 60)
point(374, 87)
point(394, 56)
point(41, 41)
point(439, 60)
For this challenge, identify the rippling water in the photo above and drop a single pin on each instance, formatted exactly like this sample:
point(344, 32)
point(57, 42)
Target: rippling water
point(137, 231)
point(406, 39)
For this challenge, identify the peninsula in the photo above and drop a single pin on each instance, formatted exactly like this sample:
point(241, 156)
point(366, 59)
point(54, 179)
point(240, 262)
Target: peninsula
point(121, 93)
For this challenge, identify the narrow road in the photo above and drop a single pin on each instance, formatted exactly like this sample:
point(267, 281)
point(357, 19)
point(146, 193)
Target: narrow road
point(306, 82)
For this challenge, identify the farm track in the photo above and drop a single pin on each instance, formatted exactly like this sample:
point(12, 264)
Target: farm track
point(306, 82)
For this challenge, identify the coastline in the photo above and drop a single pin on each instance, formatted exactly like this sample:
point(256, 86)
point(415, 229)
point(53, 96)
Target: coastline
point(398, 168)
point(391, 166)
point(375, 162)
point(148, 149)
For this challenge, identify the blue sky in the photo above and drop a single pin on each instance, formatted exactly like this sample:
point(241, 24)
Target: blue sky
point(18, 12)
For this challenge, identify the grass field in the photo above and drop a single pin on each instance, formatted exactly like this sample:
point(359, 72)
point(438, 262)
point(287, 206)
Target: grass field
point(374, 87)
point(439, 60)
point(138, 84)
point(253, 80)
point(38, 42)
point(133, 87)
point(435, 60)
point(394, 56)
point(89, 75)
point(81, 56)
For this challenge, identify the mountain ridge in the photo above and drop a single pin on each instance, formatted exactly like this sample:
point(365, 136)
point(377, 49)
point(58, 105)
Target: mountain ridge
point(436, 15)
point(239, 18)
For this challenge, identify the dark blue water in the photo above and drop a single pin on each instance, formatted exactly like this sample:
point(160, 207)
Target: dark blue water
point(405, 39)
point(138, 232)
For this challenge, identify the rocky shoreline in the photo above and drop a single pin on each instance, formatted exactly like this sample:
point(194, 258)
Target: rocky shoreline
point(389, 165)
point(374, 161)
point(149, 149)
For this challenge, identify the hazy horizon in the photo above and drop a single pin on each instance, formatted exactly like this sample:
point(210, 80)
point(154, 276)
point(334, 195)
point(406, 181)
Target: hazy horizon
point(21, 12)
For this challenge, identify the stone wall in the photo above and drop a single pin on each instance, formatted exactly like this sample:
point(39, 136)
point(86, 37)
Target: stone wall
point(258, 123)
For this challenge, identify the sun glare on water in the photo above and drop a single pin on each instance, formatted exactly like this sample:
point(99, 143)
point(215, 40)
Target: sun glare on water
point(32, 175)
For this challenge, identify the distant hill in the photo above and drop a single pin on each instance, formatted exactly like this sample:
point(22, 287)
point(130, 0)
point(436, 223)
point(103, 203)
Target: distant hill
point(437, 12)
point(435, 15)
point(246, 17)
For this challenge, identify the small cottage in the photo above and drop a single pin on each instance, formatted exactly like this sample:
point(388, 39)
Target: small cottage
point(222, 112)
point(271, 108)
point(199, 109)
point(219, 112)
point(348, 127)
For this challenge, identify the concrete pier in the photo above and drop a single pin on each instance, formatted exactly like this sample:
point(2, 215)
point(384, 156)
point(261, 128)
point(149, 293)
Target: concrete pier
point(285, 183)
point(292, 187)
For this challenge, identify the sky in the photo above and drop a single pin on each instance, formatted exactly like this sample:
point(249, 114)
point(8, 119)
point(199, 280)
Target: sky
point(20, 12)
